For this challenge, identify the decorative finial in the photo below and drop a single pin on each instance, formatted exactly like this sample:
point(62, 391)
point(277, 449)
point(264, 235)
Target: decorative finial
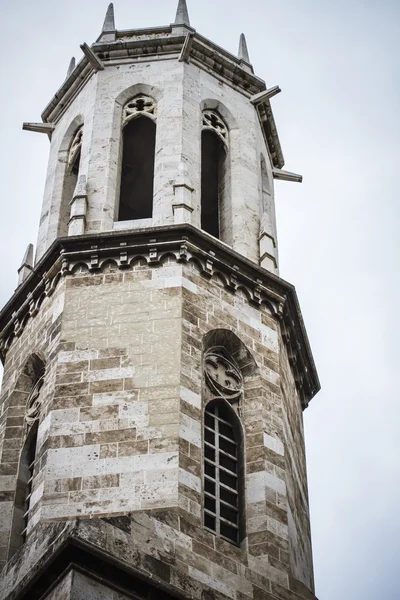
point(71, 66)
point(243, 53)
point(109, 21)
point(26, 267)
point(182, 14)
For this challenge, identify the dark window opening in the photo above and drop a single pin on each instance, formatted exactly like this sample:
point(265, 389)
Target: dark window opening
point(222, 473)
point(212, 176)
point(69, 185)
point(76, 165)
point(137, 176)
point(33, 373)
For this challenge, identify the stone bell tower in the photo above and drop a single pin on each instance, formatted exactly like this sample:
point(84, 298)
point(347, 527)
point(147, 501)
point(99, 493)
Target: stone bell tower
point(155, 364)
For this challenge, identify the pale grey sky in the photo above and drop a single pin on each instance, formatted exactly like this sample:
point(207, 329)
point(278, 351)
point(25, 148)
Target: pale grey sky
point(338, 120)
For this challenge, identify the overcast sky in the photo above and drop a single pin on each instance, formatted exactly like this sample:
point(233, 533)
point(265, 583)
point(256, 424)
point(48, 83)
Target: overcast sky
point(338, 121)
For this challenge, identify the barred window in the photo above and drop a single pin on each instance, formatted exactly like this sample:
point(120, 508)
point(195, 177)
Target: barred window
point(221, 473)
point(223, 460)
point(28, 461)
point(27, 472)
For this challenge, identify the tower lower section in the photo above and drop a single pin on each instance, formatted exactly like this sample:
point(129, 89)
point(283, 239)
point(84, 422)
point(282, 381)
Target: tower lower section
point(121, 322)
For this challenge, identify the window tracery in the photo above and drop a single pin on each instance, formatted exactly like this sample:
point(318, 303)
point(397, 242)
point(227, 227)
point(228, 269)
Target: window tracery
point(222, 377)
point(75, 150)
point(139, 105)
point(34, 400)
point(213, 122)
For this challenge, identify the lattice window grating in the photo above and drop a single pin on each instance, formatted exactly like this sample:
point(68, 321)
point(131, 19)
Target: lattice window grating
point(221, 473)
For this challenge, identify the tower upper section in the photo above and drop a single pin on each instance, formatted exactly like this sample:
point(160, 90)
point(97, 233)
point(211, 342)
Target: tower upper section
point(160, 126)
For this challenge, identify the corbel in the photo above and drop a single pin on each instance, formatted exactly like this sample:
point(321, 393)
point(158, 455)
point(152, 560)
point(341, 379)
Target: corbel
point(39, 127)
point(286, 175)
point(93, 59)
point(186, 48)
point(265, 95)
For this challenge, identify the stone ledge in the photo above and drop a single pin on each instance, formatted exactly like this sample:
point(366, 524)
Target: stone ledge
point(101, 551)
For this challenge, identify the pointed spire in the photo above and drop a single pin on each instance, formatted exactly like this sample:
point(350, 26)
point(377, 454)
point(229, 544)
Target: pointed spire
point(71, 66)
point(26, 267)
point(243, 53)
point(109, 21)
point(182, 14)
point(108, 33)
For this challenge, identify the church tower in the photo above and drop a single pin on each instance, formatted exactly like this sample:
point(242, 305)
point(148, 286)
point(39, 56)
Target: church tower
point(156, 366)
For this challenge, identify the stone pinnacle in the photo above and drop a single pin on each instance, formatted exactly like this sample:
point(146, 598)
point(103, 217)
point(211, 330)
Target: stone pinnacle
point(28, 257)
point(243, 53)
point(109, 21)
point(71, 66)
point(182, 14)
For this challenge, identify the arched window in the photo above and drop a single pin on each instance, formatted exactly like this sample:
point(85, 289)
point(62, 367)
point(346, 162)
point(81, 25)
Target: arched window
point(70, 180)
point(28, 459)
point(138, 155)
point(223, 446)
point(26, 475)
point(214, 174)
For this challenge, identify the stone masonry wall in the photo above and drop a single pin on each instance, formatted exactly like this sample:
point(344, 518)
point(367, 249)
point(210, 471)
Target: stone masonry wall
point(296, 477)
point(41, 336)
point(121, 432)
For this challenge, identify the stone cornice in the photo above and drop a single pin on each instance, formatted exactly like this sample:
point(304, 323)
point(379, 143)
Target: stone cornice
point(158, 44)
point(186, 243)
point(75, 545)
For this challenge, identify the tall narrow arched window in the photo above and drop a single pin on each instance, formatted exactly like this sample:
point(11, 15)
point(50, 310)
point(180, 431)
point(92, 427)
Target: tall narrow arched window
point(28, 463)
point(138, 155)
point(27, 474)
point(70, 180)
point(214, 174)
point(223, 447)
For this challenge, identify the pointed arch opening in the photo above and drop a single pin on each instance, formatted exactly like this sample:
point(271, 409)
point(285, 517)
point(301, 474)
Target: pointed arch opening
point(138, 158)
point(228, 368)
point(214, 174)
point(31, 381)
point(72, 157)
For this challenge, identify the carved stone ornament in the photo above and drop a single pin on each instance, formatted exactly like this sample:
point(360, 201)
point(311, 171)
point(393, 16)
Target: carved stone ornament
point(222, 376)
point(213, 122)
point(140, 104)
point(34, 401)
point(75, 147)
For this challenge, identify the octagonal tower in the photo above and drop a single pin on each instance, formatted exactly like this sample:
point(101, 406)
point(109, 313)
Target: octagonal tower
point(155, 365)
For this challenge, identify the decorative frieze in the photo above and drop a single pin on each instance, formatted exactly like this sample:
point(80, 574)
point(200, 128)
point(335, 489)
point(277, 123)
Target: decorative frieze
point(185, 243)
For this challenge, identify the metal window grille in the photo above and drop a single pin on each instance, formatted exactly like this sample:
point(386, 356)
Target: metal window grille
point(221, 473)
